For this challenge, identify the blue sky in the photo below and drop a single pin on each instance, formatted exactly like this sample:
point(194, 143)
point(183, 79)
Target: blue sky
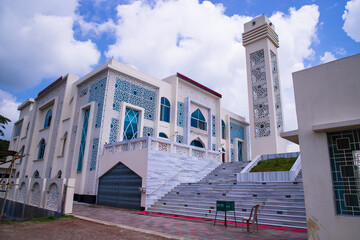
point(44, 39)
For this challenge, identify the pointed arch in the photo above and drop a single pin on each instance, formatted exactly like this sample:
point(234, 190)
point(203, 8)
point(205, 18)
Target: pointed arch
point(197, 143)
point(198, 120)
point(48, 119)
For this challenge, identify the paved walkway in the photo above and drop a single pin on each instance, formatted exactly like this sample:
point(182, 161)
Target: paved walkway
point(182, 228)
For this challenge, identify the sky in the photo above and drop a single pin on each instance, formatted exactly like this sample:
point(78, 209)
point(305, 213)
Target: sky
point(42, 40)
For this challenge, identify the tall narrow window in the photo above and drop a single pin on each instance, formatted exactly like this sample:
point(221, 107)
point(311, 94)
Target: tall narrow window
point(131, 124)
point(64, 138)
point(223, 129)
point(21, 152)
point(27, 129)
point(41, 149)
point(198, 120)
point(165, 110)
point(48, 119)
point(83, 140)
point(240, 158)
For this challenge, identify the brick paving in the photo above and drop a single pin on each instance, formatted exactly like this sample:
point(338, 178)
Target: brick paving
point(191, 229)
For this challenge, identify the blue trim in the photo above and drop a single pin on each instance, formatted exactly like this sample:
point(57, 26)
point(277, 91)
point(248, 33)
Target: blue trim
point(48, 119)
point(83, 140)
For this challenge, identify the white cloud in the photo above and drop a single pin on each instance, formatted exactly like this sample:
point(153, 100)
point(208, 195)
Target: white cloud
point(200, 41)
point(8, 109)
point(328, 57)
point(297, 32)
point(351, 19)
point(37, 41)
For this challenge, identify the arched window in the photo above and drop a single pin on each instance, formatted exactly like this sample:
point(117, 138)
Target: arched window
point(36, 174)
point(41, 149)
point(163, 135)
point(197, 143)
point(58, 175)
point(131, 122)
point(165, 110)
point(21, 152)
point(48, 119)
point(223, 129)
point(198, 120)
point(17, 174)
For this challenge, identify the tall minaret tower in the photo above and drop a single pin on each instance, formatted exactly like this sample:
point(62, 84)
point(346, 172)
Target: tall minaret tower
point(266, 119)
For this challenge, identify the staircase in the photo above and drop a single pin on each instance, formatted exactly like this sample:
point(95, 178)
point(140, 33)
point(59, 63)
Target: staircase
point(282, 203)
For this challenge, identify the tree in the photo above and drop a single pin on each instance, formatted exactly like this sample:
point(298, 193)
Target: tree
point(3, 121)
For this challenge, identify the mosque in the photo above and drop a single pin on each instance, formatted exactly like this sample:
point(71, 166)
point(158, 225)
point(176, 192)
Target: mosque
point(120, 137)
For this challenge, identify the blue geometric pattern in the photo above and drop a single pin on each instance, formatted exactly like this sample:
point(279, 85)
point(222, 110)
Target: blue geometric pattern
point(97, 93)
point(148, 131)
point(114, 129)
point(136, 95)
point(236, 131)
point(180, 114)
point(213, 126)
point(94, 151)
point(179, 139)
point(130, 124)
point(232, 154)
point(214, 147)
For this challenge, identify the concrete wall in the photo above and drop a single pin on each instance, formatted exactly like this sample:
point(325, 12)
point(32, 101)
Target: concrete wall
point(327, 97)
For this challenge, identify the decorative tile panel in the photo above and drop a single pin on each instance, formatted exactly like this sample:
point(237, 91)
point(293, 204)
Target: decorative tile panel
point(236, 131)
point(53, 198)
point(137, 95)
point(213, 126)
point(22, 194)
point(278, 109)
point(97, 94)
point(344, 153)
point(179, 138)
point(260, 94)
point(148, 131)
point(35, 195)
point(180, 114)
point(94, 151)
point(214, 147)
point(114, 129)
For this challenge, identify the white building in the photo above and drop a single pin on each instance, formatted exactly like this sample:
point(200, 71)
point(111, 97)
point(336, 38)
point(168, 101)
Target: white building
point(328, 112)
point(70, 129)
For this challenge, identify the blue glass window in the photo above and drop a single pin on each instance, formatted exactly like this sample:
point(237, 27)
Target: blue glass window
point(240, 152)
point(163, 135)
point(21, 152)
point(41, 149)
point(197, 143)
point(48, 119)
point(131, 124)
point(198, 120)
point(223, 129)
point(36, 174)
point(165, 110)
point(83, 140)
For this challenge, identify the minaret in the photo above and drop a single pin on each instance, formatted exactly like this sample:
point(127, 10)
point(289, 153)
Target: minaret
point(266, 120)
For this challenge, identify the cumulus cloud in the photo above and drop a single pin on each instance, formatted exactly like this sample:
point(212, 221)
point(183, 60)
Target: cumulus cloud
point(37, 42)
point(327, 57)
point(200, 41)
point(351, 19)
point(8, 109)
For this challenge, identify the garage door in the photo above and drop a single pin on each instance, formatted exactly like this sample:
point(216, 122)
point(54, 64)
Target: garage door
point(119, 187)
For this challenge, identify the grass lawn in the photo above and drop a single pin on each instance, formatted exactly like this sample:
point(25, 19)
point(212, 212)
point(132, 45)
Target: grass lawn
point(272, 165)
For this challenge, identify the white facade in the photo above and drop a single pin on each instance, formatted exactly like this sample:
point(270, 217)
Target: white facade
point(89, 112)
point(266, 120)
point(328, 112)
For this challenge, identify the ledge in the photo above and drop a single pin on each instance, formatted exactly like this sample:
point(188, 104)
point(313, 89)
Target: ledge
point(43, 129)
point(38, 160)
point(337, 126)
point(292, 136)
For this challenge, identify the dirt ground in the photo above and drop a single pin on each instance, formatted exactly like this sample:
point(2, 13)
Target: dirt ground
point(68, 229)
